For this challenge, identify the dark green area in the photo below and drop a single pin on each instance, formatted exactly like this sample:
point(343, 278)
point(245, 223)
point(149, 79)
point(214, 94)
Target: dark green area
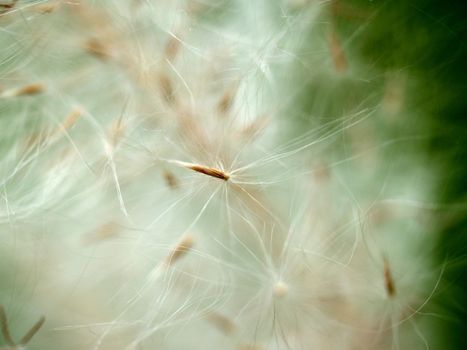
point(428, 39)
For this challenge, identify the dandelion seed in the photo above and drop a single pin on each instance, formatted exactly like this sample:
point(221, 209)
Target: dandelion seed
point(33, 140)
point(32, 332)
point(27, 90)
point(226, 101)
point(104, 232)
point(71, 119)
point(31, 89)
point(51, 136)
point(117, 130)
point(4, 8)
point(172, 48)
point(170, 179)
point(389, 281)
point(254, 128)
point(5, 328)
point(25, 339)
point(97, 48)
point(210, 171)
point(221, 322)
point(219, 174)
point(183, 246)
point(166, 88)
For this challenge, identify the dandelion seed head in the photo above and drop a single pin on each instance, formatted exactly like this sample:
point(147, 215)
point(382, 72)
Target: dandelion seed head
point(211, 174)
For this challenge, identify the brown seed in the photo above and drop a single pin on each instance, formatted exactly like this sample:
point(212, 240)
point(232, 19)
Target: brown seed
point(172, 48)
point(117, 130)
point(25, 339)
point(106, 231)
point(5, 328)
point(254, 128)
point(166, 88)
point(170, 179)
point(69, 121)
point(34, 329)
point(209, 171)
point(97, 48)
point(183, 246)
point(27, 90)
point(34, 140)
point(226, 101)
point(72, 118)
point(389, 281)
point(4, 8)
point(31, 89)
point(221, 322)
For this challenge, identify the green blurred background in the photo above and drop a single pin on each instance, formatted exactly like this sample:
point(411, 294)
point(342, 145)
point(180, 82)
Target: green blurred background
point(428, 38)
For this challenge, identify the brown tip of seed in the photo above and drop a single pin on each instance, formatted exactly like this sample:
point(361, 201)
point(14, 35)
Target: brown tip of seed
point(31, 89)
point(209, 171)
